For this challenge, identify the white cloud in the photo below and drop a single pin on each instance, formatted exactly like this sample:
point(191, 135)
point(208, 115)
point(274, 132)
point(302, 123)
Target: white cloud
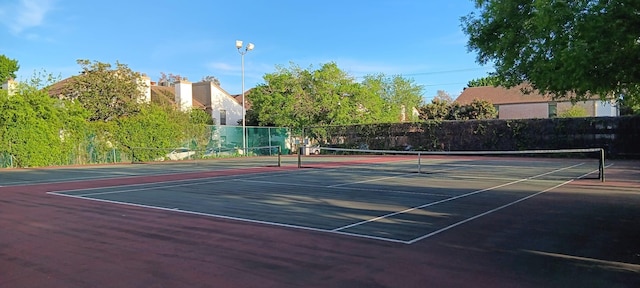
point(25, 14)
point(222, 67)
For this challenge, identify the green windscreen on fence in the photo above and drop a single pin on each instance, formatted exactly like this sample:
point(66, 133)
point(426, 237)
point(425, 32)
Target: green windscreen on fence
point(220, 141)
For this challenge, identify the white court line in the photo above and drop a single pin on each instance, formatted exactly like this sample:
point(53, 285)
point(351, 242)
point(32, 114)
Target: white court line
point(488, 212)
point(177, 210)
point(499, 208)
point(450, 199)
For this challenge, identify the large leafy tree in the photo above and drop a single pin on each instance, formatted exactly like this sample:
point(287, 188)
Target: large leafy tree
point(106, 92)
point(38, 130)
point(436, 110)
point(296, 97)
point(8, 68)
point(398, 94)
point(581, 46)
point(477, 109)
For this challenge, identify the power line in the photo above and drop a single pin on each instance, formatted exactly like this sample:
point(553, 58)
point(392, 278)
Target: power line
point(443, 84)
point(438, 72)
point(447, 71)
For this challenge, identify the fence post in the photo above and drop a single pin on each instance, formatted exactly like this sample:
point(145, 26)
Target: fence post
point(601, 166)
point(279, 156)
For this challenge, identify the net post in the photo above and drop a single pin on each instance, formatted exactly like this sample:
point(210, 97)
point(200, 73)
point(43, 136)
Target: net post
point(419, 163)
point(300, 157)
point(601, 165)
point(279, 156)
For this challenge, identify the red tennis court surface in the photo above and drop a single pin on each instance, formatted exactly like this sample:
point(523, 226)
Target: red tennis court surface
point(117, 229)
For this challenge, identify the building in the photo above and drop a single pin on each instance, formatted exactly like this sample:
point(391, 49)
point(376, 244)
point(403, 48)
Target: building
point(10, 86)
point(223, 108)
point(184, 95)
point(513, 103)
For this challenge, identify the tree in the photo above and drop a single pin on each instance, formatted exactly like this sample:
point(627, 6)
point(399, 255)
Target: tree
point(583, 46)
point(169, 80)
point(436, 110)
point(574, 111)
point(199, 116)
point(442, 110)
point(296, 97)
point(213, 79)
point(36, 129)
point(105, 92)
point(439, 107)
point(397, 93)
point(8, 68)
point(443, 96)
point(477, 109)
point(490, 80)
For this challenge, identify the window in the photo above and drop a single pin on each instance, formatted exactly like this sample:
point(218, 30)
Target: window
point(553, 109)
point(223, 117)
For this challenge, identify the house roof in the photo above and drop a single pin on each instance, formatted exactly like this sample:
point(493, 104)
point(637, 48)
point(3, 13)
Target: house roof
point(56, 89)
point(163, 95)
point(247, 102)
point(166, 95)
point(501, 95)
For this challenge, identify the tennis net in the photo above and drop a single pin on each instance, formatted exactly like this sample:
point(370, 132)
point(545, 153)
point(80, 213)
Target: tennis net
point(564, 163)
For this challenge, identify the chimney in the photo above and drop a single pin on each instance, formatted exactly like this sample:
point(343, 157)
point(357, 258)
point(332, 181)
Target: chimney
point(184, 94)
point(10, 86)
point(144, 84)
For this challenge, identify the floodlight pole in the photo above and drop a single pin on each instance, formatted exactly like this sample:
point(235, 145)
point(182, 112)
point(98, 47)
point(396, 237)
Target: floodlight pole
point(244, 112)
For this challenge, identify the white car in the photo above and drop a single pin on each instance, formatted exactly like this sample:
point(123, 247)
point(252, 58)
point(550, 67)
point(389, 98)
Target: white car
point(315, 150)
point(180, 154)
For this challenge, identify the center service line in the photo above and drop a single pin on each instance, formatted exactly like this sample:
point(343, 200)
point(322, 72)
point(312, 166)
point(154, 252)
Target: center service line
point(451, 198)
point(496, 209)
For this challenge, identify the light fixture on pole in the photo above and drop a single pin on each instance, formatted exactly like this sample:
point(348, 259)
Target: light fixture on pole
point(244, 112)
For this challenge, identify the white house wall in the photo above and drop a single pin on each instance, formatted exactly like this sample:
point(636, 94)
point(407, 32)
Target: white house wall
point(144, 85)
point(211, 96)
point(222, 100)
point(606, 109)
point(523, 111)
point(10, 86)
point(184, 95)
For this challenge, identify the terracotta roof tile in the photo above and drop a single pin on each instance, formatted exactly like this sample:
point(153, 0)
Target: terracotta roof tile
point(167, 95)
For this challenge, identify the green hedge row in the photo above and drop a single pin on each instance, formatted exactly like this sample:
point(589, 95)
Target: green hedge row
point(618, 135)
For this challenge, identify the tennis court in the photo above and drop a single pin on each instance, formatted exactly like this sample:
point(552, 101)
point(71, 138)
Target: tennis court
point(342, 220)
point(356, 199)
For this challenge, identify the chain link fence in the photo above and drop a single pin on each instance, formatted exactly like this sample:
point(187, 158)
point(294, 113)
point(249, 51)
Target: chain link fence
point(217, 139)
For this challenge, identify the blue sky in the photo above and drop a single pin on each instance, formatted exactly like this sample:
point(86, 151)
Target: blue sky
point(418, 39)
